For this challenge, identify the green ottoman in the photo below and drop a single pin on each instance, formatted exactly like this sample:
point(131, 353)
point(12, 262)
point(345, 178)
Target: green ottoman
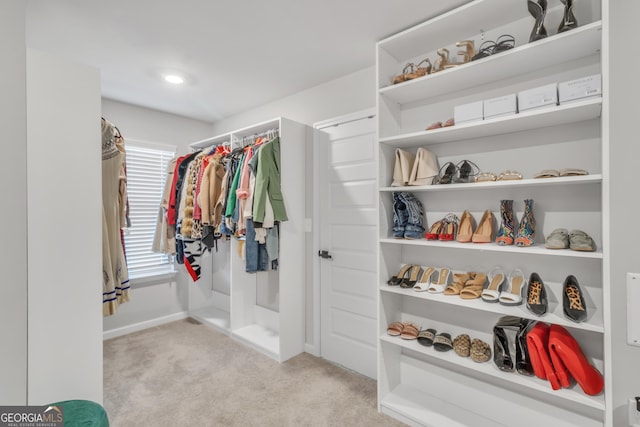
point(83, 413)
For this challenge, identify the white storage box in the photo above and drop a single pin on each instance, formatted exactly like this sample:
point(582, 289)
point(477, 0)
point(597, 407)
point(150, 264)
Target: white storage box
point(500, 106)
point(468, 112)
point(543, 96)
point(585, 87)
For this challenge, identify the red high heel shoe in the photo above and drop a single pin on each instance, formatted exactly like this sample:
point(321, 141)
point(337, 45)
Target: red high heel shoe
point(566, 353)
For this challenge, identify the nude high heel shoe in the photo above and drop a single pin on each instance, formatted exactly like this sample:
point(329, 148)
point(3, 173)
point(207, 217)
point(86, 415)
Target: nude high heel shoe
point(466, 228)
point(484, 232)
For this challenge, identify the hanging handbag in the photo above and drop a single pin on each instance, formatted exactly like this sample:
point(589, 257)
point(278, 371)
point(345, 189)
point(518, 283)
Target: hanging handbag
point(402, 169)
point(425, 168)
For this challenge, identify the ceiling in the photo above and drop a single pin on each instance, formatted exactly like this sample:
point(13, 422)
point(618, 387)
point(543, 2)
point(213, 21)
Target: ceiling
point(235, 54)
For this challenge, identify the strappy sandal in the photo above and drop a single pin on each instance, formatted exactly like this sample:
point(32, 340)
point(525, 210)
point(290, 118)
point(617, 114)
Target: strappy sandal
point(397, 279)
point(467, 171)
point(473, 287)
point(441, 282)
point(503, 43)
point(486, 49)
point(492, 292)
point(449, 227)
point(447, 173)
point(425, 279)
point(459, 280)
point(403, 77)
point(412, 278)
point(513, 294)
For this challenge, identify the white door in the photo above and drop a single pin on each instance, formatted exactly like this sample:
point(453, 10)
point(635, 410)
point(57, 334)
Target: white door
point(348, 201)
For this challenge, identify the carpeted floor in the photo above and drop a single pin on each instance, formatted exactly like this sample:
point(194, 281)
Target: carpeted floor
point(186, 374)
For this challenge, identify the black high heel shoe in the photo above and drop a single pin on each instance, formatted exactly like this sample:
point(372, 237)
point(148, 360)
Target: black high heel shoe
point(467, 171)
point(450, 171)
point(536, 295)
point(538, 10)
point(504, 43)
point(573, 303)
point(568, 18)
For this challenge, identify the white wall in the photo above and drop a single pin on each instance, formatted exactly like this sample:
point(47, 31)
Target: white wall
point(163, 301)
point(64, 223)
point(624, 92)
point(344, 95)
point(13, 173)
point(348, 94)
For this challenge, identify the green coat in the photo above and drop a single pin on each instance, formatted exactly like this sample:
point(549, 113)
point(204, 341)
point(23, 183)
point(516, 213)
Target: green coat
point(268, 183)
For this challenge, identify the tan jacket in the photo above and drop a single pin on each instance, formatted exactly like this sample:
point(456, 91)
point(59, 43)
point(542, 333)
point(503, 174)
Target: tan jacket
point(210, 190)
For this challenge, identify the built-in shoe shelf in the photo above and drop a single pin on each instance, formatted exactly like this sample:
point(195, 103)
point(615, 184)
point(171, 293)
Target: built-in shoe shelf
point(421, 386)
point(529, 182)
point(573, 112)
point(494, 247)
point(594, 322)
point(577, 43)
point(573, 394)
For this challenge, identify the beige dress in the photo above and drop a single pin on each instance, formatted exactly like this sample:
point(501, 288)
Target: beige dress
point(115, 286)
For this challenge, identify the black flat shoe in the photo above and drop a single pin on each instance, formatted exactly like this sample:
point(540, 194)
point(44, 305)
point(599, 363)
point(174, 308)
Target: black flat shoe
point(573, 303)
point(536, 295)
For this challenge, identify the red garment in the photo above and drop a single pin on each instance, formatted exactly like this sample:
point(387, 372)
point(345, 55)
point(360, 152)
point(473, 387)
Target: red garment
point(567, 358)
point(538, 346)
point(171, 210)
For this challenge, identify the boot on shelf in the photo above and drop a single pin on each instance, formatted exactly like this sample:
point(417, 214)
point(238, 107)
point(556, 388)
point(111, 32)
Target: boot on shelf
point(506, 233)
point(527, 230)
point(400, 216)
point(415, 216)
point(568, 18)
point(537, 9)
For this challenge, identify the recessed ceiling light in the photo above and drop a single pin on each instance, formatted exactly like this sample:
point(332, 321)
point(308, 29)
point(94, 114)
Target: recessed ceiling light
point(174, 79)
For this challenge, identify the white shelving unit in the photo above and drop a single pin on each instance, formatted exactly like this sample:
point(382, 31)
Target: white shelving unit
point(417, 384)
point(264, 310)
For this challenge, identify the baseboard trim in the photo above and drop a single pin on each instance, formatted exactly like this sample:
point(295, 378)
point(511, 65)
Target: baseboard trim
point(118, 332)
point(312, 349)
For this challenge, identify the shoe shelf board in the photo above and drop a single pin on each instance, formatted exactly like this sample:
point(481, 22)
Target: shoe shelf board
point(409, 404)
point(493, 247)
point(573, 393)
point(213, 317)
point(564, 47)
point(594, 322)
point(573, 112)
point(437, 32)
point(260, 338)
point(529, 182)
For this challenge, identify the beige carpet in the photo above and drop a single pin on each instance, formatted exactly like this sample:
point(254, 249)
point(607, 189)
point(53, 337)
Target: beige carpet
point(186, 374)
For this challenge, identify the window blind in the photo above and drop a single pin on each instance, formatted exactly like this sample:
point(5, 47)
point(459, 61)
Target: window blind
point(146, 174)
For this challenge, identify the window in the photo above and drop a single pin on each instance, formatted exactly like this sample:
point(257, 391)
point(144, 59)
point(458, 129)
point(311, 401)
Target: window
point(146, 174)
